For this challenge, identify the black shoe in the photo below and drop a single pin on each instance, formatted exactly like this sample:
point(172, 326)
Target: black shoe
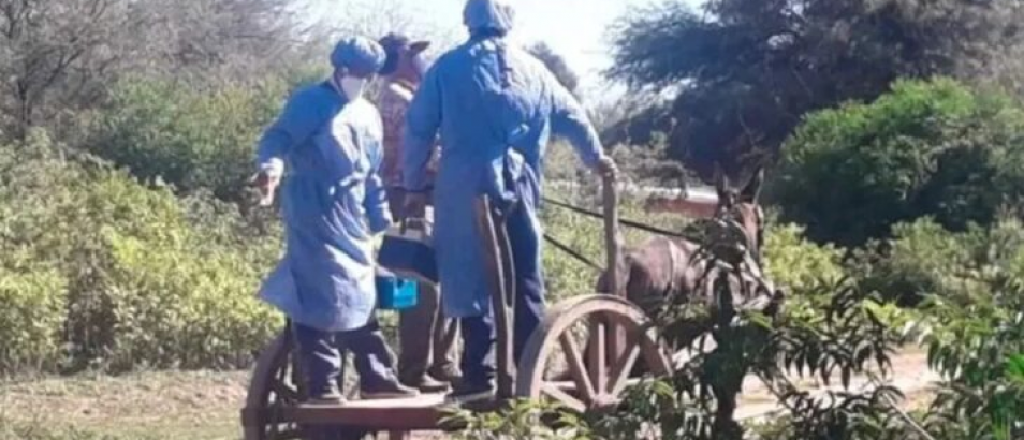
point(427, 384)
point(463, 392)
point(327, 398)
point(390, 390)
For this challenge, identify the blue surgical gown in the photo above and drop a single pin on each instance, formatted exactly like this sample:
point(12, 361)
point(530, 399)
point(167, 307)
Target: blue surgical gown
point(333, 204)
point(494, 129)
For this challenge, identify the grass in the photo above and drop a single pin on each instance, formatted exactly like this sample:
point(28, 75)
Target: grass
point(140, 406)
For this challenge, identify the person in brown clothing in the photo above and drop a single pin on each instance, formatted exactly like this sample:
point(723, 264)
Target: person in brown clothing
point(426, 339)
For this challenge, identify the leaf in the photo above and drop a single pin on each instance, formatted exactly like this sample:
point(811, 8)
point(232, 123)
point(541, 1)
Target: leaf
point(1015, 367)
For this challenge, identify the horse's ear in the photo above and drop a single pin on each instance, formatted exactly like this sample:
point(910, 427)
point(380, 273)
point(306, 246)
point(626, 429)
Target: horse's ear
point(419, 46)
point(752, 191)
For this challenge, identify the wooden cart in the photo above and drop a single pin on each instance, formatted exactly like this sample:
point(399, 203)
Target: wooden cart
point(611, 331)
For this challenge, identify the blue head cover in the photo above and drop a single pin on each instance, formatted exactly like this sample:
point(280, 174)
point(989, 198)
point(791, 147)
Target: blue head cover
point(359, 55)
point(495, 15)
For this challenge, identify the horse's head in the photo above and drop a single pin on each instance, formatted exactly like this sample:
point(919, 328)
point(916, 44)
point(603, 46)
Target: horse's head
point(742, 207)
point(406, 59)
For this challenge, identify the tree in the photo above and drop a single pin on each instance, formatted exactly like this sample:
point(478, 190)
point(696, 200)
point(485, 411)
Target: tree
point(65, 46)
point(929, 149)
point(556, 64)
point(750, 69)
point(226, 39)
point(376, 18)
point(59, 56)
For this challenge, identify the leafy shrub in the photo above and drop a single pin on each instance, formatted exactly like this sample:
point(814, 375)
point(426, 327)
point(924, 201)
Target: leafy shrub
point(979, 350)
point(143, 283)
point(32, 314)
point(927, 149)
point(969, 289)
point(924, 259)
point(191, 139)
point(520, 422)
point(795, 263)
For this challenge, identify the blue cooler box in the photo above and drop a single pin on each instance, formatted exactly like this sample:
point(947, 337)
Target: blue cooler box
point(395, 293)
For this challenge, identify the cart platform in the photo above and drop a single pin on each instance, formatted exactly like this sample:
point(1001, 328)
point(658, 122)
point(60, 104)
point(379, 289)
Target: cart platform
point(423, 412)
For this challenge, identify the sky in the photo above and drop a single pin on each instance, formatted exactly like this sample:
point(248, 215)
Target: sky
point(575, 29)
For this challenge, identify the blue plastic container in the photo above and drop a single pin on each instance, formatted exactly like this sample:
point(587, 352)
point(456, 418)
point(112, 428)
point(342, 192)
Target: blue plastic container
point(396, 293)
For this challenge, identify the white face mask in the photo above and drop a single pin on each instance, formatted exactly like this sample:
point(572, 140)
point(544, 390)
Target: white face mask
point(352, 87)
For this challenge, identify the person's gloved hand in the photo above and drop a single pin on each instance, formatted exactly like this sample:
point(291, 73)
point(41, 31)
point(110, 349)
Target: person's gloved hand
point(376, 241)
point(266, 182)
point(606, 167)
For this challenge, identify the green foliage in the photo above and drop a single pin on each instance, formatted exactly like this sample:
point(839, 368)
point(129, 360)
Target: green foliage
point(970, 295)
point(132, 277)
point(746, 71)
point(928, 149)
point(33, 313)
point(830, 331)
point(978, 349)
point(522, 420)
point(924, 259)
point(191, 139)
point(796, 263)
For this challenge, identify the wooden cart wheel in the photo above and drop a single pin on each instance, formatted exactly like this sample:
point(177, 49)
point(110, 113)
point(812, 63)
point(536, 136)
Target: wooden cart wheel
point(276, 384)
point(599, 381)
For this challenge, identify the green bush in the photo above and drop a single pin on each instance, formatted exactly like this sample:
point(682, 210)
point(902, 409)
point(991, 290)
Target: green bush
point(147, 279)
point(32, 315)
point(191, 139)
point(979, 350)
point(927, 149)
point(795, 263)
point(924, 259)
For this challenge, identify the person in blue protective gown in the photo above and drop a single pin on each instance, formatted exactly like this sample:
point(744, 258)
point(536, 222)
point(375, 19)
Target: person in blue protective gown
point(495, 107)
point(334, 205)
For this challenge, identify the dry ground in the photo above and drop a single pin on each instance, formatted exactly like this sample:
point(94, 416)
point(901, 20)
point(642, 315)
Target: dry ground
point(204, 405)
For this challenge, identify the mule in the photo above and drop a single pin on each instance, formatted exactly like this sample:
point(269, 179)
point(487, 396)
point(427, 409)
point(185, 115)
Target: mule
point(662, 267)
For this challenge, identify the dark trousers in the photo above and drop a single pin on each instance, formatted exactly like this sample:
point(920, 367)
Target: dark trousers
point(479, 334)
point(427, 339)
point(321, 354)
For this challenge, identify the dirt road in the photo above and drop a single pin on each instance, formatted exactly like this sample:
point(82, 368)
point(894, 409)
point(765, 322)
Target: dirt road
point(204, 405)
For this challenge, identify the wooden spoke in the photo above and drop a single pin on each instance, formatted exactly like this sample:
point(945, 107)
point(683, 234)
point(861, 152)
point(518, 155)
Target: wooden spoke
point(621, 369)
point(285, 393)
point(564, 398)
point(576, 366)
point(597, 354)
point(600, 376)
